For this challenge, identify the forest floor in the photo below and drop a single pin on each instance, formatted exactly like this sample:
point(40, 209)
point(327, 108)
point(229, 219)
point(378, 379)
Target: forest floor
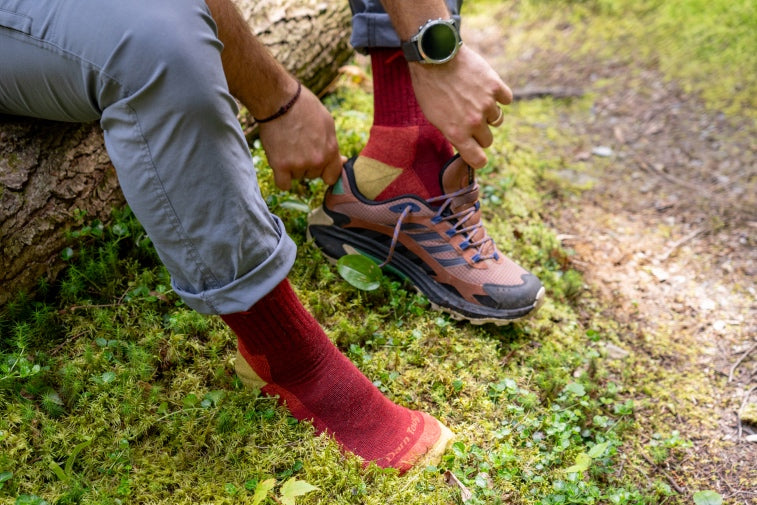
point(620, 178)
point(665, 231)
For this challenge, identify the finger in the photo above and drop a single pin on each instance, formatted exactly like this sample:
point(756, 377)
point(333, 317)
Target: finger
point(497, 118)
point(333, 171)
point(282, 179)
point(473, 154)
point(503, 94)
point(483, 136)
point(313, 172)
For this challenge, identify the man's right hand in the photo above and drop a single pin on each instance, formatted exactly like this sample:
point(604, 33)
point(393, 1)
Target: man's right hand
point(461, 98)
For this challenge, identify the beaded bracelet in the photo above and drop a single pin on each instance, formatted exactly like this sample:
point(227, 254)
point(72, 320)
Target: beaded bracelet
point(284, 109)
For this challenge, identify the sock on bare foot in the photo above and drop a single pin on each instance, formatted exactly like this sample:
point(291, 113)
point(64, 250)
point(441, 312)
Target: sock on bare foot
point(405, 152)
point(285, 353)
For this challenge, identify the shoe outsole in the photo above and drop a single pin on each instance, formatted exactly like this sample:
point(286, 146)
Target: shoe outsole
point(335, 242)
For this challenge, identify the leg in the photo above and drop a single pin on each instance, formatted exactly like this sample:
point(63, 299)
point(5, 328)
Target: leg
point(182, 161)
point(408, 201)
point(171, 131)
point(405, 152)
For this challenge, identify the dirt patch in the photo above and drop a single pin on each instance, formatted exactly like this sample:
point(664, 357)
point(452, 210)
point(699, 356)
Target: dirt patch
point(666, 236)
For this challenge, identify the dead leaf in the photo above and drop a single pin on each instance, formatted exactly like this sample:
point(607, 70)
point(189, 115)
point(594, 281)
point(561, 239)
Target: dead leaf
point(451, 480)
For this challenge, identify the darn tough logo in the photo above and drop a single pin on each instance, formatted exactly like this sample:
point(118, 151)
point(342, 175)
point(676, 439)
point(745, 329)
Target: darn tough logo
point(405, 441)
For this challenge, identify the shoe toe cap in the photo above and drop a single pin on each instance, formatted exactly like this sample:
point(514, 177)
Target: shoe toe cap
point(526, 294)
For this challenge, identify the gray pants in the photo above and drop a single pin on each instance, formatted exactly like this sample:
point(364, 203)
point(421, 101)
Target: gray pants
point(150, 71)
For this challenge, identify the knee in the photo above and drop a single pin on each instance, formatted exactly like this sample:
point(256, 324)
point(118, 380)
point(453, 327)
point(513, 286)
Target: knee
point(173, 44)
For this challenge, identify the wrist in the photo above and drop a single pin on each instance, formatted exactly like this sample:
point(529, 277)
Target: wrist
point(272, 95)
point(283, 109)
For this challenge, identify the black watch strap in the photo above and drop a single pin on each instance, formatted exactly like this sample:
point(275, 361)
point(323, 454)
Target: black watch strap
point(410, 50)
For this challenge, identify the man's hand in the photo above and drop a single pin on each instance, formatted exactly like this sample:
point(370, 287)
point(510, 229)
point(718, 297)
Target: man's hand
point(302, 143)
point(461, 98)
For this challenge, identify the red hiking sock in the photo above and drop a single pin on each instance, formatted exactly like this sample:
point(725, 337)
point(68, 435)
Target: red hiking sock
point(401, 137)
point(287, 350)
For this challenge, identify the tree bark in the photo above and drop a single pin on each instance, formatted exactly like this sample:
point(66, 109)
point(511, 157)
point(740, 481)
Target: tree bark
point(51, 173)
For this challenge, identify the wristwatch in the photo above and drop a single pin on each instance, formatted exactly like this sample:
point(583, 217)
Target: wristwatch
point(436, 42)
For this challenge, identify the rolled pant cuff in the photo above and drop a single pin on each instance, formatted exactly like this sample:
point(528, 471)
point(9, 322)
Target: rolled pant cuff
point(374, 29)
point(242, 293)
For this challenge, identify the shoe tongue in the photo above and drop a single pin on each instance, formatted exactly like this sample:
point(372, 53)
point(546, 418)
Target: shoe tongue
point(456, 175)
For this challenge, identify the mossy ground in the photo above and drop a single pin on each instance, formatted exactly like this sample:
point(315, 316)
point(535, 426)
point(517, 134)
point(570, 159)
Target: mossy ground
point(112, 391)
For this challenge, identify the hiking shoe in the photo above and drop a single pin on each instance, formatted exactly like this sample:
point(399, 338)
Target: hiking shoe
point(438, 244)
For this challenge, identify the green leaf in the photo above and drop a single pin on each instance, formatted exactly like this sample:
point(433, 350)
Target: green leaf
point(72, 457)
point(5, 476)
point(576, 388)
point(120, 230)
point(66, 254)
point(58, 471)
point(190, 401)
point(293, 204)
point(598, 450)
point(214, 397)
point(262, 490)
point(108, 377)
point(293, 488)
point(583, 462)
point(27, 499)
point(359, 271)
point(707, 498)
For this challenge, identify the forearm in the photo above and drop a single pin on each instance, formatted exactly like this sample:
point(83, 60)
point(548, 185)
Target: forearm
point(254, 77)
point(407, 16)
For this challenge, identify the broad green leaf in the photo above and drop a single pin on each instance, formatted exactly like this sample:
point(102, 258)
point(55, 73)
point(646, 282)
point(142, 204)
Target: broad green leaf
point(293, 488)
point(576, 388)
point(583, 462)
point(359, 271)
point(120, 230)
point(190, 401)
point(30, 499)
point(598, 450)
point(262, 490)
point(5, 476)
point(108, 377)
point(707, 498)
point(214, 397)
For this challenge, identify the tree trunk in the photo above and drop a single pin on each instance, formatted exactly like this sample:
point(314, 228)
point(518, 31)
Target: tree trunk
point(52, 172)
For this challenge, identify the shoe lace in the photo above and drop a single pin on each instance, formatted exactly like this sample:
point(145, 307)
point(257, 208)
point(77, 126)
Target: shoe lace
point(463, 222)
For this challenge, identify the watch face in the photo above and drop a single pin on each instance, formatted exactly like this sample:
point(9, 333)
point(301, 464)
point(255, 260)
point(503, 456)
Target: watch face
point(438, 42)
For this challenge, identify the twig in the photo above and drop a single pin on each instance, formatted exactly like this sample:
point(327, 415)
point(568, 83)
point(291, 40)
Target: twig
point(691, 236)
point(81, 307)
point(741, 409)
point(532, 93)
point(672, 179)
point(672, 481)
point(66, 342)
point(738, 362)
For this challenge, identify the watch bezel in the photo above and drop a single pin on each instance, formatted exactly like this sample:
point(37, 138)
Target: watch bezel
point(417, 41)
point(450, 24)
